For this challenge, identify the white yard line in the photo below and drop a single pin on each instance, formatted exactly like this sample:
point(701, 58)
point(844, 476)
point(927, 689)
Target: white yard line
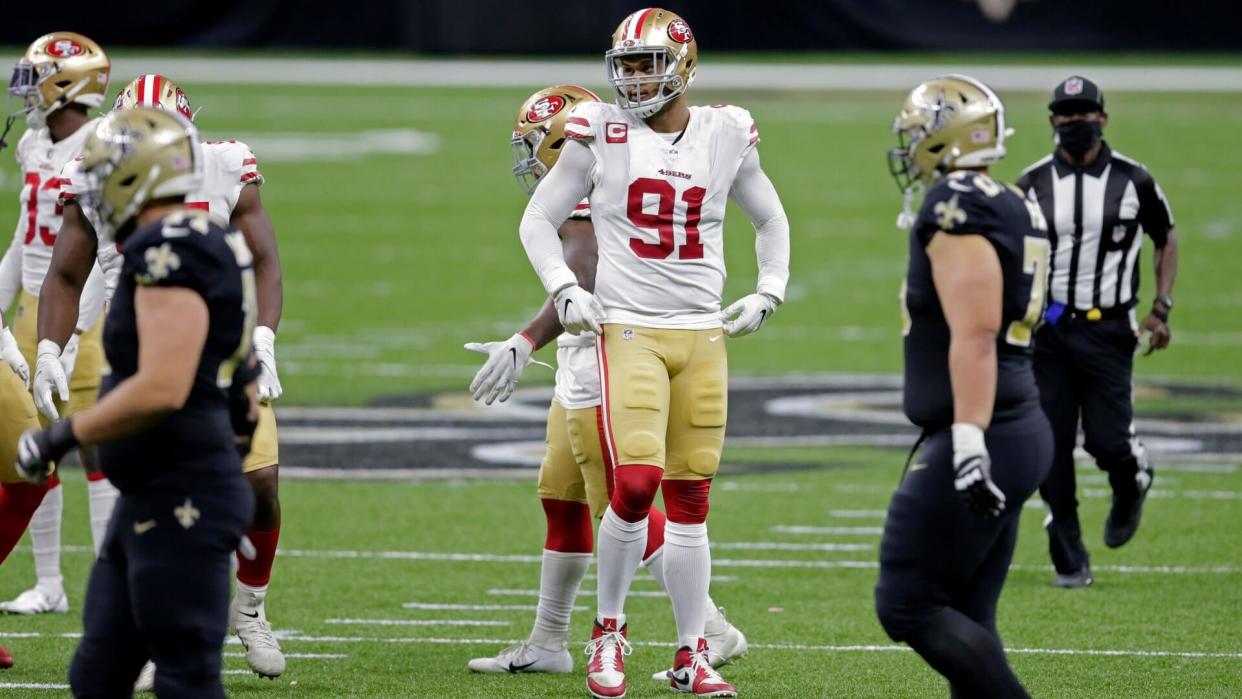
point(31, 685)
point(858, 514)
point(300, 656)
point(508, 592)
point(417, 622)
point(788, 546)
point(828, 531)
point(477, 607)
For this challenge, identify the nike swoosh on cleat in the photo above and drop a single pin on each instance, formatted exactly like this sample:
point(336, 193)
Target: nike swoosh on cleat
point(683, 679)
point(519, 668)
point(252, 616)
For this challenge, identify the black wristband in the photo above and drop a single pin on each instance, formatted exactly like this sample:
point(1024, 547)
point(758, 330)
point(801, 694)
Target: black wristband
point(60, 439)
point(1162, 315)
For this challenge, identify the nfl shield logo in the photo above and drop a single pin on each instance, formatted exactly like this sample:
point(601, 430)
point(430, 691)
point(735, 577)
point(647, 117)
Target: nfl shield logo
point(1119, 233)
point(1073, 86)
point(628, 334)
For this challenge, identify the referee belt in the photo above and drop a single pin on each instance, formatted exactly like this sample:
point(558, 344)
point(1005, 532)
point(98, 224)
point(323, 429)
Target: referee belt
point(1094, 315)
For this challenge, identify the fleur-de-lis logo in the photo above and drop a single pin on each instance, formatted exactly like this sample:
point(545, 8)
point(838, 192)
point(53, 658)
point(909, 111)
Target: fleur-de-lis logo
point(942, 112)
point(187, 514)
point(161, 262)
point(948, 214)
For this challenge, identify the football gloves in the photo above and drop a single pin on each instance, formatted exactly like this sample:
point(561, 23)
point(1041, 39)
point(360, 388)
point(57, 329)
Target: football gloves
point(38, 450)
point(49, 375)
point(11, 355)
point(748, 314)
point(578, 310)
point(265, 351)
point(69, 356)
point(505, 363)
point(972, 472)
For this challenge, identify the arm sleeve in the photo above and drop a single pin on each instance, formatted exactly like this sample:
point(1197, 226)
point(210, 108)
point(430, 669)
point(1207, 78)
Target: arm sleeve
point(1155, 214)
point(753, 191)
point(559, 192)
point(10, 274)
point(91, 303)
point(110, 262)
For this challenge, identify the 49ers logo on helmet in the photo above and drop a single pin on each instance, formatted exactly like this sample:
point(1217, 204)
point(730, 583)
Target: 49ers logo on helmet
point(679, 31)
point(183, 104)
point(545, 108)
point(64, 48)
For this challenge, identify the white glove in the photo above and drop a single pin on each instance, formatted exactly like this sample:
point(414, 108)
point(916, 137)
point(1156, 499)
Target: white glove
point(748, 314)
point(504, 366)
point(69, 356)
point(265, 352)
point(49, 375)
point(972, 472)
point(11, 355)
point(578, 310)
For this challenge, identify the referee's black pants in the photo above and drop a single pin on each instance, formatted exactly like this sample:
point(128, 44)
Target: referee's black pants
point(160, 591)
point(1085, 368)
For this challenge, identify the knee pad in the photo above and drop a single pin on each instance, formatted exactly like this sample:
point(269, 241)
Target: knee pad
point(686, 501)
point(634, 490)
point(655, 532)
point(569, 526)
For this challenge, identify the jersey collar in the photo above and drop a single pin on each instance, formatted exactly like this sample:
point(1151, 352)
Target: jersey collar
point(1095, 169)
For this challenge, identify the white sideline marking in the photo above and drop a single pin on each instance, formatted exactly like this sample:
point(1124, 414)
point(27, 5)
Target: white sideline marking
point(477, 607)
point(359, 435)
point(31, 685)
point(414, 556)
point(759, 487)
point(416, 622)
point(300, 656)
point(857, 514)
point(237, 672)
point(788, 546)
point(1157, 492)
point(352, 145)
point(649, 579)
point(716, 76)
point(407, 474)
point(802, 529)
point(508, 592)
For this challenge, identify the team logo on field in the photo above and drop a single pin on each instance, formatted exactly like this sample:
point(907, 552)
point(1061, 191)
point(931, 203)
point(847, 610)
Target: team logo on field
point(679, 31)
point(616, 132)
point(64, 48)
point(545, 108)
point(1073, 86)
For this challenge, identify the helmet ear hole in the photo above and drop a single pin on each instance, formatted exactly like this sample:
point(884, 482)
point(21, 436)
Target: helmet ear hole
point(936, 148)
point(63, 84)
point(556, 145)
point(128, 181)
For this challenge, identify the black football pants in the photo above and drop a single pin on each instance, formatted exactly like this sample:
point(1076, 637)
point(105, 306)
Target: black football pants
point(160, 591)
point(1085, 368)
point(942, 567)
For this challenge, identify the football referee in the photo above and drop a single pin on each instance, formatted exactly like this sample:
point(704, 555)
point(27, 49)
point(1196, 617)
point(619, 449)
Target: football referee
point(1099, 204)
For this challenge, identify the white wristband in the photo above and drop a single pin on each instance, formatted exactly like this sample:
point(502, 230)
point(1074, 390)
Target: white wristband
point(48, 347)
point(968, 438)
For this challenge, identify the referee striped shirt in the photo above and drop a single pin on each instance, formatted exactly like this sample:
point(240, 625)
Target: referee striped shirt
point(1097, 217)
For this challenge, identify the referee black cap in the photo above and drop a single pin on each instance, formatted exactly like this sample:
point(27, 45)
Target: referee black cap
point(1075, 95)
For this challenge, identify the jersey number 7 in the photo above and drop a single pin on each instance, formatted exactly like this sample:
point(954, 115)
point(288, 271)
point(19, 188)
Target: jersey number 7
point(662, 221)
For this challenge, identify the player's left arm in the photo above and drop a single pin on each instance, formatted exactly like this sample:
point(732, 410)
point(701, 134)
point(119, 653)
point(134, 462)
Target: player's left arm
point(1156, 217)
point(251, 218)
point(755, 194)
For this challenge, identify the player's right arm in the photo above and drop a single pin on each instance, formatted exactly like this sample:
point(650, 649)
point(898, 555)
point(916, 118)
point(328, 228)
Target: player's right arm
point(582, 255)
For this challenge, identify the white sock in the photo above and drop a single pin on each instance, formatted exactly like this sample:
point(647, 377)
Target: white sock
point(655, 565)
point(45, 540)
point(560, 576)
point(714, 620)
point(687, 571)
point(102, 497)
point(621, 545)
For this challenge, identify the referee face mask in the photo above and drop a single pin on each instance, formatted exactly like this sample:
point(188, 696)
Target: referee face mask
point(1078, 136)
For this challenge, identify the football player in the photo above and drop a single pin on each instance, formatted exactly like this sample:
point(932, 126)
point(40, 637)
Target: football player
point(59, 78)
point(229, 190)
point(575, 478)
point(179, 393)
point(973, 294)
point(658, 174)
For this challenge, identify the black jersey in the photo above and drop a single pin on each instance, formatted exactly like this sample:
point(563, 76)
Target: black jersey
point(966, 203)
point(185, 249)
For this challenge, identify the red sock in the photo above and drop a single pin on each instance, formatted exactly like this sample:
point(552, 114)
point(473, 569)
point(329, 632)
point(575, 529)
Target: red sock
point(18, 502)
point(258, 572)
point(569, 526)
point(655, 532)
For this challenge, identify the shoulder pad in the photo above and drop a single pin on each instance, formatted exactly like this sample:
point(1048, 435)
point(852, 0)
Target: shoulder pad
point(235, 159)
point(585, 119)
point(737, 119)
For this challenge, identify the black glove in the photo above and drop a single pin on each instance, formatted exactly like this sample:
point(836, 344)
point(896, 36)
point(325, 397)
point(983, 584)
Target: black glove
point(39, 450)
point(972, 472)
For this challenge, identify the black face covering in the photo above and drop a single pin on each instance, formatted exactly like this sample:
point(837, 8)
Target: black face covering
point(1077, 137)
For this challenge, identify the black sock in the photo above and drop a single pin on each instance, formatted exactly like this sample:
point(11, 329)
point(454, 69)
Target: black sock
point(967, 654)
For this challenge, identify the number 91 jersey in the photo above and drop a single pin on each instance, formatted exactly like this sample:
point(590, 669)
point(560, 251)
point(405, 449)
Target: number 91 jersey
point(658, 204)
point(971, 203)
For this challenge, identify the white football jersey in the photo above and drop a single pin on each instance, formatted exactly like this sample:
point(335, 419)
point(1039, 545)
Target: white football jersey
point(658, 205)
point(227, 167)
point(39, 219)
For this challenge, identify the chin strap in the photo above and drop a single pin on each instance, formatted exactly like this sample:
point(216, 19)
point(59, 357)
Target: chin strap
point(905, 219)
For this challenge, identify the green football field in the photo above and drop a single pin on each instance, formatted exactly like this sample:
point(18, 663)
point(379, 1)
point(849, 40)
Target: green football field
point(392, 260)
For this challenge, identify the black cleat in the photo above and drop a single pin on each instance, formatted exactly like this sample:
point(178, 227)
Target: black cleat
point(1127, 511)
point(1077, 579)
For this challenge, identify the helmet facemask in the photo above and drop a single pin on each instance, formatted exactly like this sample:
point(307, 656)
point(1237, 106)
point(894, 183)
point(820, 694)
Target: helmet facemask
point(527, 168)
point(663, 76)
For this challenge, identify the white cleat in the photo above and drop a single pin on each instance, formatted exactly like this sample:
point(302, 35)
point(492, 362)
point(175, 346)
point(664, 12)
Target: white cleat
point(37, 600)
point(525, 657)
point(248, 619)
point(725, 643)
point(146, 679)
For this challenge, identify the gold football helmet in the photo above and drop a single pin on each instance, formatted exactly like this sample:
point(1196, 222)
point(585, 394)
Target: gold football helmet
point(135, 156)
point(947, 123)
point(666, 39)
point(156, 91)
point(58, 69)
point(539, 134)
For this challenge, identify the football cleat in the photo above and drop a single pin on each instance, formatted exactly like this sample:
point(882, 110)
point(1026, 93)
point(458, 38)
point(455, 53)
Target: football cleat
point(524, 657)
point(249, 620)
point(692, 674)
point(1077, 579)
point(607, 650)
point(725, 643)
point(37, 600)
point(1127, 511)
point(146, 679)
